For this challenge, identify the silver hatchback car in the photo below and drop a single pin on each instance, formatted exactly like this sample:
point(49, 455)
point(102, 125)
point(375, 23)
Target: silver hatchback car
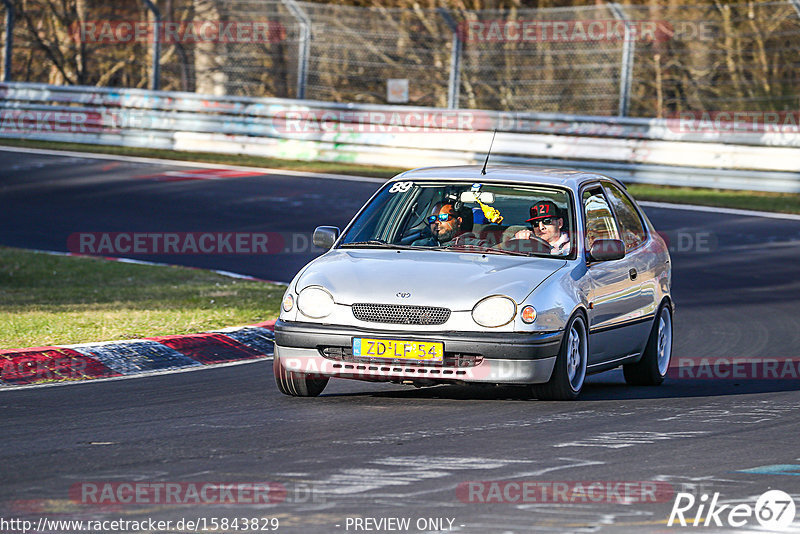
point(522, 275)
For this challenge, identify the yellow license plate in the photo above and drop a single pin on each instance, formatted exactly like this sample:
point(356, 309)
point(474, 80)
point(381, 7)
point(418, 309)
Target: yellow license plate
point(398, 350)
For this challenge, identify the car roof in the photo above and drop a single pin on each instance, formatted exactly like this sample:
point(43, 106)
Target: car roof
point(571, 178)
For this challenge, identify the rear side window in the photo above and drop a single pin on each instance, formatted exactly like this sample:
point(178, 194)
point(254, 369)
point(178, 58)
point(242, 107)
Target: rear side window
point(630, 224)
point(599, 219)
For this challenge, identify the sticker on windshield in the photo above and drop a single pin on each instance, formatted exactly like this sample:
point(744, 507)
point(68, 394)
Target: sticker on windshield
point(401, 187)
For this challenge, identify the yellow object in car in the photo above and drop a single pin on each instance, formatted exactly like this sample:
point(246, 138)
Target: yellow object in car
point(491, 214)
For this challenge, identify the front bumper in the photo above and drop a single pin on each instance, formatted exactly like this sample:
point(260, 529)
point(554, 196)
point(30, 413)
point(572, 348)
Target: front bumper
point(488, 357)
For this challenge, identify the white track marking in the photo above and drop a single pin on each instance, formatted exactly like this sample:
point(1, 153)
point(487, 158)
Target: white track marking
point(403, 471)
point(619, 440)
point(455, 431)
point(726, 211)
point(737, 414)
point(193, 164)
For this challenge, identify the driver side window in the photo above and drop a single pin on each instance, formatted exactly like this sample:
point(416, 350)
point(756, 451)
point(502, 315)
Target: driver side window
point(600, 222)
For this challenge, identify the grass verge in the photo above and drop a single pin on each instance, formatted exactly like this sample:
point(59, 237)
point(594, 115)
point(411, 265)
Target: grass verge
point(720, 198)
point(57, 300)
point(751, 200)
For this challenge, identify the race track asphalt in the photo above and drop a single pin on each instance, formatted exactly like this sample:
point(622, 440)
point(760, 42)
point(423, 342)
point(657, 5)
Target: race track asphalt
point(387, 451)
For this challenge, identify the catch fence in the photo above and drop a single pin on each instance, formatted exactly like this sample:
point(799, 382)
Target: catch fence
point(605, 59)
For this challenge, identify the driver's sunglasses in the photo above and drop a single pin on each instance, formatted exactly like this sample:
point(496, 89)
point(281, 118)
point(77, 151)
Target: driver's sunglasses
point(546, 221)
point(444, 217)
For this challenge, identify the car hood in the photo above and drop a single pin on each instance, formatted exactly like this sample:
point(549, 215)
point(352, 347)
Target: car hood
point(425, 278)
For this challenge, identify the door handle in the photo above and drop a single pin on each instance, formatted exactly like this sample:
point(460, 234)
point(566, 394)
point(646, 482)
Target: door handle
point(632, 273)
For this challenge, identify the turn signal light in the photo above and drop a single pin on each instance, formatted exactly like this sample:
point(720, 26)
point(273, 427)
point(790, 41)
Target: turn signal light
point(528, 314)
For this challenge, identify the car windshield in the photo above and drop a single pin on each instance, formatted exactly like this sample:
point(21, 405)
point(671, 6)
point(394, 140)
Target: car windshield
point(467, 217)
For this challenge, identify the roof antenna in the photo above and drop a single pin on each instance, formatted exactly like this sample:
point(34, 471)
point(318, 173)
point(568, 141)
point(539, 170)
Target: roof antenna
point(483, 171)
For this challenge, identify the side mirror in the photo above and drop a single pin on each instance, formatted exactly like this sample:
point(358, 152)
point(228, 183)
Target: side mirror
point(325, 236)
point(607, 249)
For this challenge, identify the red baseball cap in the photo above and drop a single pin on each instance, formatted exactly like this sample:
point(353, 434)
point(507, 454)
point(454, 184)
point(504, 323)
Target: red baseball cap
point(544, 209)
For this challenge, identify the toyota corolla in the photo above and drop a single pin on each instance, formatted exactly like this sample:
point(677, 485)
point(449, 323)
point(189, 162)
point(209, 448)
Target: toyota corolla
point(522, 275)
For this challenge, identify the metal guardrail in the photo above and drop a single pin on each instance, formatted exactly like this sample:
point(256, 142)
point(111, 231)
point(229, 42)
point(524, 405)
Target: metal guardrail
point(635, 150)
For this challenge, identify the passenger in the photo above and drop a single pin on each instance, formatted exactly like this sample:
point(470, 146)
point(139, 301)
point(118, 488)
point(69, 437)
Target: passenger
point(547, 224)
point(448, 226)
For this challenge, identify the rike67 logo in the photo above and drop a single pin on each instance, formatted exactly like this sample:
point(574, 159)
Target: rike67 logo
point(774, 510)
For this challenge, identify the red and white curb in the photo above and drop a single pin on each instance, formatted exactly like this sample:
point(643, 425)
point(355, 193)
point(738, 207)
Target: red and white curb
point(115, 359)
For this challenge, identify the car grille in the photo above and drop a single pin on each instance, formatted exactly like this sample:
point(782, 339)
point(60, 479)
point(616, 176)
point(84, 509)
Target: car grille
point(450, 359)
point(396, 314)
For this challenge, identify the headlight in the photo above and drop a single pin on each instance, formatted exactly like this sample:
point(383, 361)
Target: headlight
point(315, 302)
point(494, 311)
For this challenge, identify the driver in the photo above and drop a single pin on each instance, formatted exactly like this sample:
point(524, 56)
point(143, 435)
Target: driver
point(547, 224)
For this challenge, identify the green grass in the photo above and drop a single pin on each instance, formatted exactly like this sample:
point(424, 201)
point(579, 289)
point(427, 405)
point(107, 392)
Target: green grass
point(46, 300)
point(723, 198)
point(777, 202)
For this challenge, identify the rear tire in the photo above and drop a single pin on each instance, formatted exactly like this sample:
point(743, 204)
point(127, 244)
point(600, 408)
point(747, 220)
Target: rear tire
point(297, 384)
point(569, 372)
point(653, 367)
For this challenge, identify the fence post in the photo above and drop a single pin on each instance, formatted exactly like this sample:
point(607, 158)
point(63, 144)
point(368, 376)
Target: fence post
point(626, 68)
point(155, 83)
point(8, 46)
point(454, 81)
point(302, 47)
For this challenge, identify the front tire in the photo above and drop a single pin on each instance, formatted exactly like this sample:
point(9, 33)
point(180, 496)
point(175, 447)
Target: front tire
point(297, 384)
point(653, 367)
point(569, 372)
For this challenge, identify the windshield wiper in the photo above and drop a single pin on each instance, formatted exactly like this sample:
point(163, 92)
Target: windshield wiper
point(380, 243)
point(481, 250)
